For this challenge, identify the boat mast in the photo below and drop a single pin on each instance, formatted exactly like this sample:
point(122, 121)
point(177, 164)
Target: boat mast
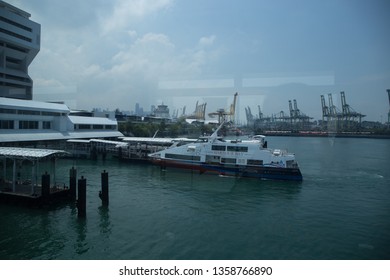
point(215, 133)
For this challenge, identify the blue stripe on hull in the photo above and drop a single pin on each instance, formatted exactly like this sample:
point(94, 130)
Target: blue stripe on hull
point(274, 173)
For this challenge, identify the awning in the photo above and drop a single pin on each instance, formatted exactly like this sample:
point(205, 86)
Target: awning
point(28, 153)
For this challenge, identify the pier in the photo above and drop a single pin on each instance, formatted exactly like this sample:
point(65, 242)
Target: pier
point(28, 189)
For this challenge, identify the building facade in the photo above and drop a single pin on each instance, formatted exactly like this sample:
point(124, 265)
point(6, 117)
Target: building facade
point(26, 122)
point(19, 44)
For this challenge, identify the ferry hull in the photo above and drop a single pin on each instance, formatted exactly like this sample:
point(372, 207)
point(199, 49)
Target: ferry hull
point(260, 172)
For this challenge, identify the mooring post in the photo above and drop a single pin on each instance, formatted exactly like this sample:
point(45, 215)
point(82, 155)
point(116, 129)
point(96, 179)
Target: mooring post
point(82, 197)
point(72, 182)
point(103, 194)
point(45, 186)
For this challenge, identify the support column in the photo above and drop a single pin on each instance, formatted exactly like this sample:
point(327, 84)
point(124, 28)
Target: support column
point(103, 194)
point(72, 182)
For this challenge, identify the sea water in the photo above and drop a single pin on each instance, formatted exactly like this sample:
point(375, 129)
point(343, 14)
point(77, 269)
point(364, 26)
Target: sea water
point(341, 210)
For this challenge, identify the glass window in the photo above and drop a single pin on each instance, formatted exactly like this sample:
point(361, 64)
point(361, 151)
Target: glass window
point(46, 125)
point(218, 148)
point(6, 124)
point(228, 160)
point(242, 149)
point(28, 125)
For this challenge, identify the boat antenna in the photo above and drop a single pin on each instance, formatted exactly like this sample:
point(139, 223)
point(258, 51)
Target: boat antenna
point(215, 133)
point(155, 133)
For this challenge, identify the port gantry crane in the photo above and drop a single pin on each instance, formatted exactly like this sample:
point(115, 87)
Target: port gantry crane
point(325, 110)
point(345, 119)
point(222, 114)
point(296, 115)
point(331, 113)
point(249, 117)
point(350, 116)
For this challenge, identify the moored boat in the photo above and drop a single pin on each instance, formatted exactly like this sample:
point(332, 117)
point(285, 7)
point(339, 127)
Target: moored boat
point(240, 158)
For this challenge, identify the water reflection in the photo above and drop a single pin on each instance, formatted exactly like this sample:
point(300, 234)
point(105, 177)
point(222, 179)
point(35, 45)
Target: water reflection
point(175, 180)
point(105, 224)
point(81, 246)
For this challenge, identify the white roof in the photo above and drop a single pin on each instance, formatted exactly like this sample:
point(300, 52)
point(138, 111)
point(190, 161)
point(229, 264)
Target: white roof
point(27, 153)
point(11, 103)
point(116, 143)
point(108, 142)
point(148, 140)
point(91, 120)
point(33, 135)
point(151, 140)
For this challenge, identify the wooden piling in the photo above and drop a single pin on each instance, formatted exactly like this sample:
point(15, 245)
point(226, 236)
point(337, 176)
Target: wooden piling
point(72, 182)
point(103, 194)
point(82, 197)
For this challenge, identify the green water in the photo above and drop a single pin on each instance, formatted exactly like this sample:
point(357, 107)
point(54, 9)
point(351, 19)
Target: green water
point(340, 211)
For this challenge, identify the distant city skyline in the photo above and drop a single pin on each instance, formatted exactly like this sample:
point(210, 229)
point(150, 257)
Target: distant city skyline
point(114, 54)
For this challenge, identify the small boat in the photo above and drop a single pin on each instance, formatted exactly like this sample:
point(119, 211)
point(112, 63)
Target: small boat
point(239, 158)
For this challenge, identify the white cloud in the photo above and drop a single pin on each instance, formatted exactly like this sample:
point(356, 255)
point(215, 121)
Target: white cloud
point(125, 12)
point(207, 41)
point(92, 70)
point(132, 33)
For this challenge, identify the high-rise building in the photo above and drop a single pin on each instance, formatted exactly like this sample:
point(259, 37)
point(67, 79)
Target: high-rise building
point(19, 44)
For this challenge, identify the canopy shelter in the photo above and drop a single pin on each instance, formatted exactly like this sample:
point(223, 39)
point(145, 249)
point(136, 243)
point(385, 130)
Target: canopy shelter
point(33, 155)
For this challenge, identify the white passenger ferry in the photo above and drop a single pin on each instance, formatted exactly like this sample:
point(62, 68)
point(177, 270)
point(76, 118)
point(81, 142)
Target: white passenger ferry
point(241, 158)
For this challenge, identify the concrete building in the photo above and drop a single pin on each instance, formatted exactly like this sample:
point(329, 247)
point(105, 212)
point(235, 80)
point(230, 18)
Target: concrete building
point(33, 123)
point(162, 112)
point(19, 44)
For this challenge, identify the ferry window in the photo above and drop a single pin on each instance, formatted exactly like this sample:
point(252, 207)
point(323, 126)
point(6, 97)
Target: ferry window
point(237, 149)
point(212, 158)
point(184, 157)
point(84, 126)
point(228, 160)
point(218, 148)
point(97, 126)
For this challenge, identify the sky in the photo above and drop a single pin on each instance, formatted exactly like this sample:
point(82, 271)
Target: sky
point(114, 54)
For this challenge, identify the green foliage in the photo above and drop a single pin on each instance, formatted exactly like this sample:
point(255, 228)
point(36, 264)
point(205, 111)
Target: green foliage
point(176, 129)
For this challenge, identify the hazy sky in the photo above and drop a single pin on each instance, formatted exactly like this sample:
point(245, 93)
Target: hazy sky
point(112, 54)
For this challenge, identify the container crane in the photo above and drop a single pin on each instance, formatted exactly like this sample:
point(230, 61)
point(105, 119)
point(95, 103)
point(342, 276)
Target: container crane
point(349, 115)
point(325, 109)
point(261, 113)
point(249, 116)
point(222, 114)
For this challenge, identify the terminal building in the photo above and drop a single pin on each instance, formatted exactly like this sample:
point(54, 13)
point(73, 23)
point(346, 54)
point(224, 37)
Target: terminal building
point(28, 122)
point(24, 122)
